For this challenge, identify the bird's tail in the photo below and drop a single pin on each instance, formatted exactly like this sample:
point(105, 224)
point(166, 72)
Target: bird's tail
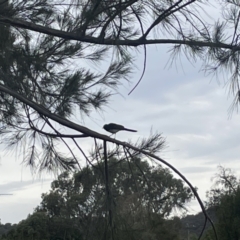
point(130, 130)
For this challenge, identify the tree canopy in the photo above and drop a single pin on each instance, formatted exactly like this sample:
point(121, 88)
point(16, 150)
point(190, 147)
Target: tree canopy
point(143, 197)
point(46, 79)
point(224, 198)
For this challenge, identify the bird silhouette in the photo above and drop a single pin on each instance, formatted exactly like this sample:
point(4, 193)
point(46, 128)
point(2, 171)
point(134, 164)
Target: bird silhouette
point(114, 128)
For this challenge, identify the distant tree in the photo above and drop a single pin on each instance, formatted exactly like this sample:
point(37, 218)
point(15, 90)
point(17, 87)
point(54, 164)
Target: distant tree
point(143, 197)
point(5, 228)
point(39, 226)
point(36, 226)
point(224, 197)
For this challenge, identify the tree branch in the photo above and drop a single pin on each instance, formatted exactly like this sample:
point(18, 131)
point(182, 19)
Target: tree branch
point(43, 111)
point(109, 41)
point(165, 13)
point(59, 135)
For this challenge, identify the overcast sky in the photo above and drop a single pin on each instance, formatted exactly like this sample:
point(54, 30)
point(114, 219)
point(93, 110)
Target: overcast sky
point(190, 109)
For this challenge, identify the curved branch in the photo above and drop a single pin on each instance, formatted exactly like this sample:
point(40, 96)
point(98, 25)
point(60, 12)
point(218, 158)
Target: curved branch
point(145, 53)
point(111, 18)
point(189, 184)
point(108, 191)
point(83, 153)
point(105, 138)
point(165, 14)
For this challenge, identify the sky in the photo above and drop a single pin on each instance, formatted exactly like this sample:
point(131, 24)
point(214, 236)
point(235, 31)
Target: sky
point(189, 108)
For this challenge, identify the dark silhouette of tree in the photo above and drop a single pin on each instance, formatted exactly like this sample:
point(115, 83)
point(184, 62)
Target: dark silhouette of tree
point(75, 207)
point(45, 81)
point(224, 198)
point(5, 228)
point(40, 87)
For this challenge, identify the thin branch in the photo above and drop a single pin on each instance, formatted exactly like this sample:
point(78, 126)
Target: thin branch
point(83, 153)
point(160, 18)
point(75, 158)
point(43, 111)
point(108, 193)
point(97, 149)
point(236, 27)
point(145, 53)
point(129, 165)
point(102, 33)
point(191, 187)
point(58, 135)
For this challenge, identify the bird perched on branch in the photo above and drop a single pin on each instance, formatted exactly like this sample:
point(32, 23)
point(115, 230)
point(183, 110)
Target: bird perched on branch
point(114, 128)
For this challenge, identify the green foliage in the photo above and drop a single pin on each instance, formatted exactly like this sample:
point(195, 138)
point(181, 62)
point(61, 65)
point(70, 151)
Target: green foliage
point(142, 197)
point(43, 69)
point(5, 228)
point(192, 225)
point(224, 197)
point(39, 226)
point(34, 227)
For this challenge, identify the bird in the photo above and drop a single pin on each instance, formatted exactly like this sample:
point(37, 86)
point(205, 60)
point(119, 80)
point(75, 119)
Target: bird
point(114, 128)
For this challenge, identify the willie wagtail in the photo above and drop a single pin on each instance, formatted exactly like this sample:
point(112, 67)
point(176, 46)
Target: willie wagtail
point(114, 128)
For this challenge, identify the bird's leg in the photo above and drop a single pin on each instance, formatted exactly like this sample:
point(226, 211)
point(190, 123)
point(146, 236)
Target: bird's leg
point(113, 134)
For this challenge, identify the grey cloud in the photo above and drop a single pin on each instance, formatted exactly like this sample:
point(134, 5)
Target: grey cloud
point(15, 212)
point(17, 186)
point(193, 170)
